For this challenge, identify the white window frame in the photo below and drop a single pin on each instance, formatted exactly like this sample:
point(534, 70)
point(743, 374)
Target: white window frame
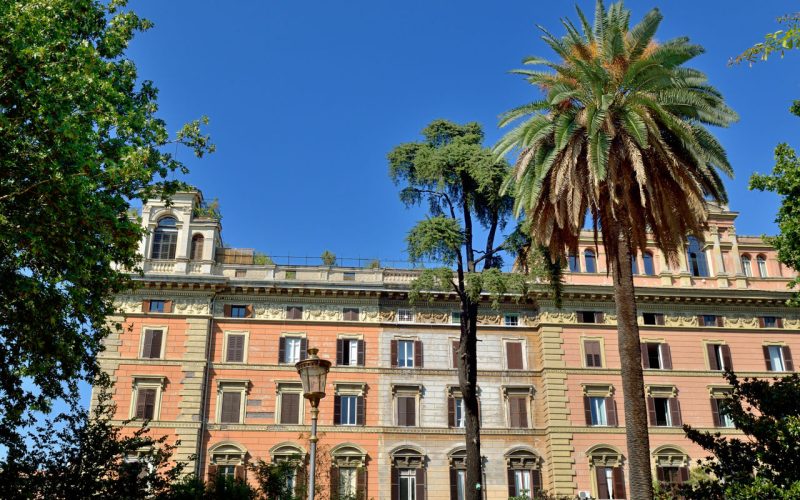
point(405, 316)
point(523, 345)
point(227, 333)
point(291, 359)
point(519, 391)
point(762, 267)
point(231, 385)
point(779, 347)
point(411, 342)
point(599, 412)
point(353, 416)
point(407, 391)
point(511, 320)
point(410, 475)
point(459, 417)
point(163, 352)
point(289, 387)
point(147, 382)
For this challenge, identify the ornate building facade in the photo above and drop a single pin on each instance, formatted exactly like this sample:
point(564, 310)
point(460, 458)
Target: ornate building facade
point(211, 334)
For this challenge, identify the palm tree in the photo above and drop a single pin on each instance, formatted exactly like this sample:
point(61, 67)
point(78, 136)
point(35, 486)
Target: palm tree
point(620, 135)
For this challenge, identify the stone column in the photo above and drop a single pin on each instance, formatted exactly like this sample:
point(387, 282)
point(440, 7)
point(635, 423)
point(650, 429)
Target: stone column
point(741, 279)
point(720, 272)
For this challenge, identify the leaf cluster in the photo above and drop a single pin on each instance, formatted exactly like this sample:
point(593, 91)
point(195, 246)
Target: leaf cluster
point(779, 41)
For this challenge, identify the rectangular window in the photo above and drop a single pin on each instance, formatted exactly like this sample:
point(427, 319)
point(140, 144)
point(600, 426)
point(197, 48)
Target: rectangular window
point(455, 411)
point(653, 319)
point(291, 275)
point(455, 318)
point(292, 349)
point(597, 407)
point(455, 345)
point(146, 403)
point(290, 408)
point(231, 407)
point(778, 358)
point(721, 417)
point(406, 411)
point(663, 418)
point(590, 317)
point(157, 306)
point(349, 410)
point(610, 482)
point(459, 476)
point(522, 484)
point(771, 322)
point(405, 316)
point(408, 484)
point(240, 273)
point(518, 411)
point(671, 477)
point(349, 276)
point(151, 345)
point(719, 357)
point(235, 348)
point(656, 355)
point(294, 312)
point(710, 320)
point(238, 312)
point(405, 353)
point(350, 352)
point(511, 320)
point(348, 482)
point(591, 349)
point(514, 356)
point(664, 411)
point(350, 313)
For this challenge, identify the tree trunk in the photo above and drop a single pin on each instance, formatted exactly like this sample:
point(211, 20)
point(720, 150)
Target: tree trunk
point(630, 354)
point(467, 380)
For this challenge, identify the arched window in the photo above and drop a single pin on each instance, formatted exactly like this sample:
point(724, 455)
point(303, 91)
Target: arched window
point(647, 259)
point(608, 476)
point(227, 459)
point(348, 475)
point(574, 263)
point(672, 467)
point(458, 473)
point(762, 266)
point(697, 258)
point(634, 265)
point(197, 247)
point(746, 268)
point(524, 473)
point(591, 261)
point(165, 239)
point(288, 452)
point(408, 474)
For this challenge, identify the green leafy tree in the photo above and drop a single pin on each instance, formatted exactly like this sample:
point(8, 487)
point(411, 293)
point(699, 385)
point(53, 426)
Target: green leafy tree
point(779, 41)
point(763, 464)
point(79, 140)
point(328, 258)
point(620, 134)
point(459, 180)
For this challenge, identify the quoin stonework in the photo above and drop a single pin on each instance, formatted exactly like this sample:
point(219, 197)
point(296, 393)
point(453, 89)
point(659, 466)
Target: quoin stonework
point(211, 334)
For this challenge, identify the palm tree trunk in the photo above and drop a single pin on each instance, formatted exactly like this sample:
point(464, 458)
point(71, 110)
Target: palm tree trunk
point(467, 380)
point(639, 476)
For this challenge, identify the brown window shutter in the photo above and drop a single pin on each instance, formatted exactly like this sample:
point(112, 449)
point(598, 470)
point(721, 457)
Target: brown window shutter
point(761, 322)
point(661, 475)
point(451, 411)
point(593, 356)
point(779, 322)
point(394, 352)
point(513, 412)
point(418, 354)
point(303, 348)
point(602, 486)
point(167, 306)
point(239, 473)
point(660, 319)
point(211, 474)
point(514, 355)
point(234, 352)
point(421, 488)
point(248, 311)
point(360, 348)
point(411, 411)
point(455, 345)
point(666, 357)
point(599, 317)
point(611, 411)
point(155, 346)
point(619, 483)
point(453, 484)
point(675, 412)
point(395, 483)
point(227, 309)
point(788, 364)
point(337, 410)
point(231, 403)
point(361, 483)
point(766, 358)
point(512, 484)
point(282, 350)
point(720, 321)
point(651, 410)
point(147, 345)
point(334, 481)
point(645, 357)
point(523, 411)
point(726, 357)
point(587, 409)
point(683, 474)
point(145, 403)
point(700, 321)
point(712, 357)
point(145, 306)
point(290, 408)
point(339, 349)
point(715, 412)
point(360, 411)
point(401, 411)
point(536, 482)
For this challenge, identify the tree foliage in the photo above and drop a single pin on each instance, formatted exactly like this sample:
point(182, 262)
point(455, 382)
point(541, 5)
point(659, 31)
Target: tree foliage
point(766, 462)
point(79, 140)
point(780, 41)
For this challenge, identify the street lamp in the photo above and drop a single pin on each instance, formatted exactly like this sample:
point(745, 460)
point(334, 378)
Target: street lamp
point(313, 373)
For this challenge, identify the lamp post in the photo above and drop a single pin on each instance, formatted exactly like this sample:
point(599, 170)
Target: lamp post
point(313, 373)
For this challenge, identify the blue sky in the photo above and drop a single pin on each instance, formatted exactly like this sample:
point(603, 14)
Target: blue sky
point(307, 98)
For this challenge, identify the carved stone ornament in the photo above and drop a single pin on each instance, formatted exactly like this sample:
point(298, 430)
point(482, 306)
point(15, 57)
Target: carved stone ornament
point(369, 314)
point(558, 317)
point(387, 315)
point(490, 319)
point(322, 313)
point(437, 317)
point(680, 320)
point(269, 311)
point(741, 322)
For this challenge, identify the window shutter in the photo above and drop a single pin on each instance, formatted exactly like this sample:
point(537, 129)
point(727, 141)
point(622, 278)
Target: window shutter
point(360, 410)
point(150, 404)
point(451, 411)
point(602, 485)
point(303, 348)
point(282, 350)
point(147, 345)
point(660, 475)
point(788, 364)
point(611, 411)
point(523, 411)
point(587, 409)
point(290, 410)
point(167, 306)
point(512, 484)
point(645, 357)
point(421, 489)
point(231, 403)
point(334, 481)
point(211, 474)
point(726, 357)
point(455, 345)
point(660, 319)
point(235, 351)
point(536, 482)
point(248, 311)
point(227, 309)
point(337, 410)
point(411, 411)
point(339, 349)
point(514, 355)
point(720, 321)
point(361, 483)
point(766, 358)
point(651, 410)
point(619, 483)
point(453, 484)
point(401, 411)
point(302, 478)
point(592, 350)
point(599, 317)
point(239, 473)
point(684, 474)
point(360, 353)
point(395, 483)
point(140, 403)
point(666, 357)
point(418, 354)
point(779, 322)
point(761, 322)
point(513, 410)
point(145, 306)
point(394, 352)
point(581, 319)
point(712, 357)
point(700, 321)
point(715, 412)
point(155, 346)
point(675, 412)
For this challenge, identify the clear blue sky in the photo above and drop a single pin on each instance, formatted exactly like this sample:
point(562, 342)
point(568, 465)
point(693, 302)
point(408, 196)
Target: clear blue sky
point(306, 99)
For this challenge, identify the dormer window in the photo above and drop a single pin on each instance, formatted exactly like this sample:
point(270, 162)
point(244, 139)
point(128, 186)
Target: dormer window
point(165, 239)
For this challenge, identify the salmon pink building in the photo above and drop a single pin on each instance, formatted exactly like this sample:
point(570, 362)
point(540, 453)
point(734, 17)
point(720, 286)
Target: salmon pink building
point(211, 334)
